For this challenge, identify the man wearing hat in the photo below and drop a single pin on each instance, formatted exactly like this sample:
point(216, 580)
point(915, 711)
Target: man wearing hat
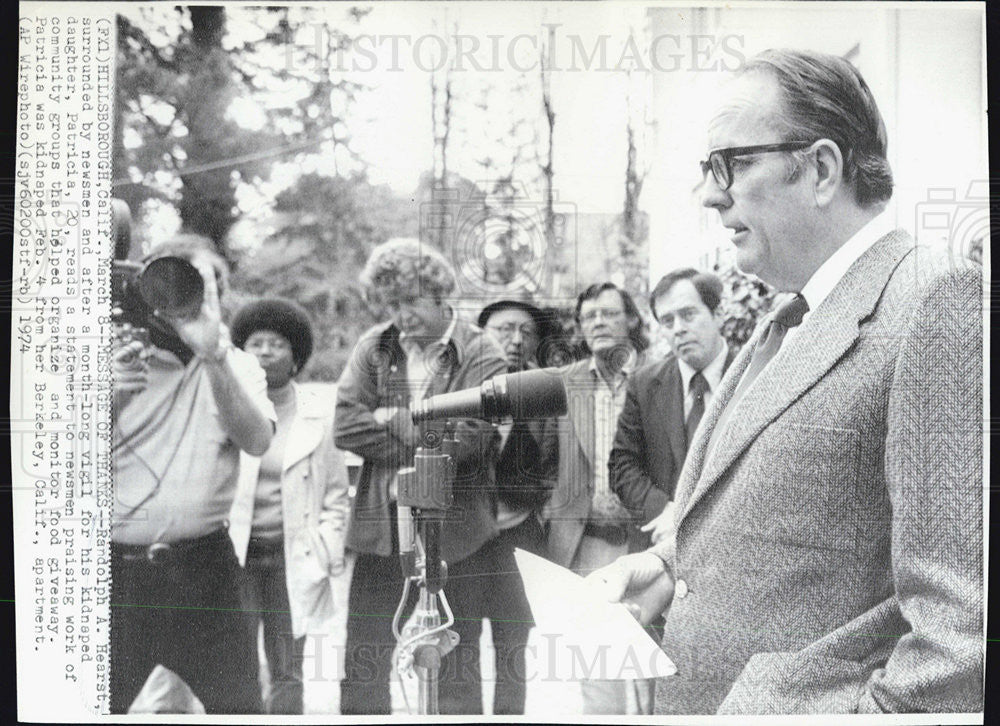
point(526, 470)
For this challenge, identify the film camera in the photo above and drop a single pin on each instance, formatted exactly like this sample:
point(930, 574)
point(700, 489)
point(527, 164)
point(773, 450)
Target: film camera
point(166, 284)
point(141, 291)
point(169, 285)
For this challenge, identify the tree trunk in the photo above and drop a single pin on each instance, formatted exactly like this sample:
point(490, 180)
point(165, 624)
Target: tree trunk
point(552, 257)
point(208, 196)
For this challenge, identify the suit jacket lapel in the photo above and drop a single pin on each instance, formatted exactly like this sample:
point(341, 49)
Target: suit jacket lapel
point(730, 357)
point(695, 461)
point(581, 409)
point(822, 340)
point(732, 370)
point(306, 430)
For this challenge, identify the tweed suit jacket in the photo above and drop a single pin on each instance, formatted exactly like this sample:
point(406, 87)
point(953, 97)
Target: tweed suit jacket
point(568, 508)
point(831, 549)
point(651, 441)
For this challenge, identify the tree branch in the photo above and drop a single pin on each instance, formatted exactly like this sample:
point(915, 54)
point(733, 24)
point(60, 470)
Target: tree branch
point(127, 30)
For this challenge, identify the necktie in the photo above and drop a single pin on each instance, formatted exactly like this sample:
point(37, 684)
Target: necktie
point(519, 484)
point(787, 316)
point(697, 388)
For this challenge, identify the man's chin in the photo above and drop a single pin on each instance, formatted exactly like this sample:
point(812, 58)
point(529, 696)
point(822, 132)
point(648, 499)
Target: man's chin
point(747, 262)
point(615, 352)
point(692, 358)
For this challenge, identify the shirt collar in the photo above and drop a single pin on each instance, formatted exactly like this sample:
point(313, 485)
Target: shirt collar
point(826, 277)
point(712, 372)
point(623, 373)
point(407, 342)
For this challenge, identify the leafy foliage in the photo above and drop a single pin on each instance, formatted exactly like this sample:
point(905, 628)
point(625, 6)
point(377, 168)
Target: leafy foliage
point(175, 86)
point(325, 228)
point(181, 135)
point(209, 98)
point(745, 300)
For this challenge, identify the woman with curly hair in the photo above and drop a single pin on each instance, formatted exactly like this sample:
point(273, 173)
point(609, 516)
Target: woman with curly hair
point(289, 514)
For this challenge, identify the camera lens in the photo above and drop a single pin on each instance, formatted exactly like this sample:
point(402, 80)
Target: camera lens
point(173, 286)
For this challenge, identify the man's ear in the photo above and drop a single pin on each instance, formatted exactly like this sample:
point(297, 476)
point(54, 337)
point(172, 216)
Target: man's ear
point(829, 171)
point(719, 316)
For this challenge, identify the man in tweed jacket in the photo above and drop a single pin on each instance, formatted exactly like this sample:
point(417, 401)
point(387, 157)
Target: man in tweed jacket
point(828, 552)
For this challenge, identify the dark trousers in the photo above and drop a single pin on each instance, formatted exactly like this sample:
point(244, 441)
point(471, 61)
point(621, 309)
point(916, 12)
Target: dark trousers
point(376, 586)
point(485, 584)
point(265, 596)
point(495, 591)
point(183, 610)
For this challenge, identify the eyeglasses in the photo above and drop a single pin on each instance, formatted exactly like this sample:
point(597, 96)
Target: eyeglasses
point(720, 161)
point(508, 330)
point(592, 315)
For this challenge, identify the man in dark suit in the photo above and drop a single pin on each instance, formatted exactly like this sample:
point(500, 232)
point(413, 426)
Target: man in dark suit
point(828, 550)
point(666, 399)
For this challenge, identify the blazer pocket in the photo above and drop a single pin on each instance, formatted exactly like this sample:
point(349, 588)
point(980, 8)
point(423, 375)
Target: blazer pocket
point(796, 683)
point(809, 497)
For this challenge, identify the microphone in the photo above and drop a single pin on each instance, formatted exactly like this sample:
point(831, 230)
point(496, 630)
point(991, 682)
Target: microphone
point(406, 529)
point(538, 393)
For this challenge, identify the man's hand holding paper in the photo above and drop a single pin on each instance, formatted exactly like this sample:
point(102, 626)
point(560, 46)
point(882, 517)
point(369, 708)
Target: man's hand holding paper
point(639, 581)
point(595, 637)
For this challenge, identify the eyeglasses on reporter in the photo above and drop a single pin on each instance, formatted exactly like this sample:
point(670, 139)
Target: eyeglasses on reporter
point(591, 315)
point(508, 330)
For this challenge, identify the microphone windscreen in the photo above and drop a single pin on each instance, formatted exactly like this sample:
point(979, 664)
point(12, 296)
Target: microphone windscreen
point(538, 393)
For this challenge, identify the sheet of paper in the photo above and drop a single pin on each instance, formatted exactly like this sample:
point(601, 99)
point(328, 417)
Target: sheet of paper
point(584, 635)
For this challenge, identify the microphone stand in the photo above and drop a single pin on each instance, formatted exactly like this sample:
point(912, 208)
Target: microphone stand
point(424, 495)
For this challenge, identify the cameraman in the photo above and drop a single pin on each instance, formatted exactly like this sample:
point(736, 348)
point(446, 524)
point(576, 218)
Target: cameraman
point(184, 409)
